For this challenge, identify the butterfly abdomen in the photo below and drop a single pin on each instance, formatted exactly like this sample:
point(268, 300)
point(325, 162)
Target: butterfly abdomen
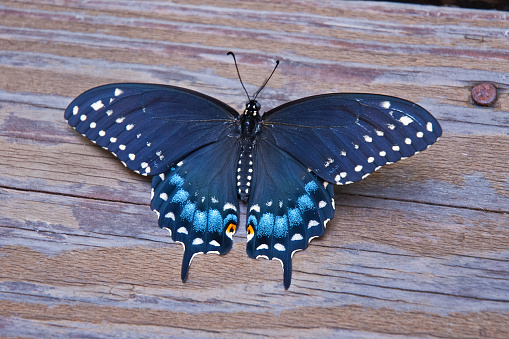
point(245, 169)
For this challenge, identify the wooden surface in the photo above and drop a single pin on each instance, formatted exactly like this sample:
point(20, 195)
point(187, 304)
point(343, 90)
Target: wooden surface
point(420, 248)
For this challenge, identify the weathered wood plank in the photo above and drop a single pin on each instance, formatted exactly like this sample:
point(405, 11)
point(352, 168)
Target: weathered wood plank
point(419, 248)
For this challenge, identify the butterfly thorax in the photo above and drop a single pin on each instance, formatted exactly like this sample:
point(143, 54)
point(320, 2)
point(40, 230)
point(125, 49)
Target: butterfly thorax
point(249, 125)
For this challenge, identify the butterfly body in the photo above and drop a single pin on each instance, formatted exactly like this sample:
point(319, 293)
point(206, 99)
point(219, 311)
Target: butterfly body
point(204, 157)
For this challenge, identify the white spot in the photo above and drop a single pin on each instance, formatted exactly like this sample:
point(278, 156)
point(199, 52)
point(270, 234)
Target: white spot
point(325, 222)
point(328, 162)
point(180, 163)
point(75, 110)
point(138, 135)
point(269, 203)
point(214, 200)
point(163, 196)
point(158, 153)
point(279, 247)
point(144, 165)
point(214, 243)
point(377, 168)
point(151, 194)
point(93, 125)
point(240, 162)
point(408, 141)
point(297, 236)
point(255, 208)
point(322, 204)
point(358, 168)
point(313, 223)
point(170, 215)
point(391, 126)
point(118, 92)
point(337, 178)
point(238, 177)
point(380, 133)
point(147, 170)
point(420, 134)
point(368, 138)
point(148, 144)
point(405, 120)
point(382, 153)
point(343, 153)
point(197, 241)
point(280, 204)
point(120, 120)
point(333, 203)
point(429, 127)
point(111, 100)
point(132, 156)
point(109, 112)
point(371, 159)
point(365, 175)
point(238, 183)
point(348, 182)
point(248, 184)
point(229, 206)
point(161, 176)
point(97, 105)
point(122, 147)
point(129, 127)
point(83, 117)
point(238, 169)
point(385, 104)
point(250, 163)
point(356, 146)
point(343, 174)
point(325, 183)
point(247, 190)
point(250, 170)
point(262, 247)
point(182, 230)
point(395, 148)
point(249, 177)
point(102, 133)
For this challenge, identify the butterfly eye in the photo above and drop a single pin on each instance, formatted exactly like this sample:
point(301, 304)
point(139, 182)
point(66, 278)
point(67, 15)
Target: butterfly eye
point(250, 232)
point(230, 230)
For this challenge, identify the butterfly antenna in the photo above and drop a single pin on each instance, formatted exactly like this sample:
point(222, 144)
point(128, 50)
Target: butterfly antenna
point(238, 73)
point(266, 81)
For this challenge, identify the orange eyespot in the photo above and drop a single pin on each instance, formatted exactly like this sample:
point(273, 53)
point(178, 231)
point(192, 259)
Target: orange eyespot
point(231, 228)
point(250, 229)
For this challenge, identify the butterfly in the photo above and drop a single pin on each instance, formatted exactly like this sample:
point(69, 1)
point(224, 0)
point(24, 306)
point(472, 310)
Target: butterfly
point(204, 157)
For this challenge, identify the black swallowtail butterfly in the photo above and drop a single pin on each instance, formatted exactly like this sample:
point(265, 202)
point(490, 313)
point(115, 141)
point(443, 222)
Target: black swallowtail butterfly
point(204, 157)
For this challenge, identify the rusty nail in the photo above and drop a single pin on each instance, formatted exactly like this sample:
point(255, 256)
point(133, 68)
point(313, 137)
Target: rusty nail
point(484, 94)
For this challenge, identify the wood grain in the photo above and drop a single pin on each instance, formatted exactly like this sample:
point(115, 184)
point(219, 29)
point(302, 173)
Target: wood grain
point(418, 249)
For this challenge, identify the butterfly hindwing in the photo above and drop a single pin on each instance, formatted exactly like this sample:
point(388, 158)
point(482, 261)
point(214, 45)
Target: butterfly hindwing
point(345, 137)
point(149, 127)
point(197, 200)
point(288, 206)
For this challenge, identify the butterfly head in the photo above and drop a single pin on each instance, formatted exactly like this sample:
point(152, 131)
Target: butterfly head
point(252, 108)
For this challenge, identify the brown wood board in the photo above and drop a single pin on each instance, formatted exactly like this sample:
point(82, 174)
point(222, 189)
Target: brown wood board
point(419, 248)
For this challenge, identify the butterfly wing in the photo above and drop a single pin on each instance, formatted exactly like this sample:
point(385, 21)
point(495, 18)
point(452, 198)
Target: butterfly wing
point(150, 127)
point(197, 200)
point(343, 138)
point(288, 206)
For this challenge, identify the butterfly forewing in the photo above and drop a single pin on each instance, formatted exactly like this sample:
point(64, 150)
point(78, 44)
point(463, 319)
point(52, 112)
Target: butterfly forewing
point(150, 127)
point(343, 138)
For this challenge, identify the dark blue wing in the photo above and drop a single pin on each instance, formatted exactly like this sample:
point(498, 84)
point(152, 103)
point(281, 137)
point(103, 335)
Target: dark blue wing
point(150, 127)
point(197, 200)
point(343, 138)
point(288, 206)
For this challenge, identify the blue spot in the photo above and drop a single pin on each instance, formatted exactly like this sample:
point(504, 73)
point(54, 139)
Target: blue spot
point(294, 216)
point(265, 225)
point(180, 196)
point(200, 221)
point(311, 187)
point(281, 226)
point(305, 203)
point(252, 220)
point(188, 211)
point(177, 180)
point(215, 221)
point(230, 217)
